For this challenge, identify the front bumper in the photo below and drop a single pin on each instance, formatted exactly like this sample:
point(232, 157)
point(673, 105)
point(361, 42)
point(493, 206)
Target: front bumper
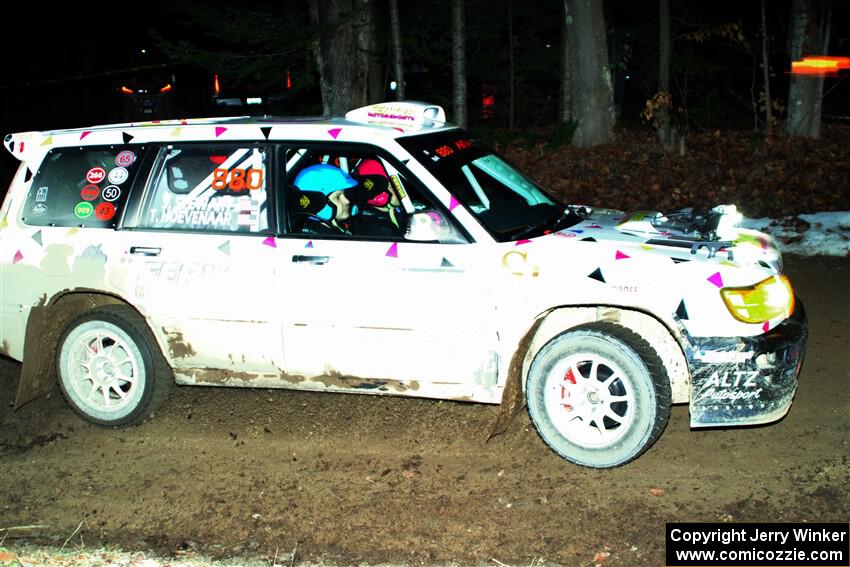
point(746, 380)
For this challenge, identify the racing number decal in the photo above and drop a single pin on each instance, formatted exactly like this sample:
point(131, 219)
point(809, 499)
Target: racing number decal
point(237, 179)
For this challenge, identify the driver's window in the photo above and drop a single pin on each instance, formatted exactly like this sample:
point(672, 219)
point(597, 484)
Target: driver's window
point(344, 191)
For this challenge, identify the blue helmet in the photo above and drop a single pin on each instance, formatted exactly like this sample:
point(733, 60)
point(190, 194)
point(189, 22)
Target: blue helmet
point(324, 179)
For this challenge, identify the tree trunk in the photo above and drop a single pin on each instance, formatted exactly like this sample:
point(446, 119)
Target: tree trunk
point(592, 87)
point(398, 59)
point(809, 35)
point(375, 52)
point(459, 61)
point(665, 137)
point(342, 60)
point(765, 63)
point(566, 110)
point(510, 66)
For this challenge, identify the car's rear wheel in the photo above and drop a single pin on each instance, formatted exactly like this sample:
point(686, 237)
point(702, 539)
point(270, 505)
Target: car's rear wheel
point(110, 368)
point(599, 395)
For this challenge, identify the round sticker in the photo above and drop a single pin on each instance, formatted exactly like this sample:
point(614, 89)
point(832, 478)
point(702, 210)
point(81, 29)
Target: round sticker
point(125, 158)
point(83, 209)
point(90, 192)
point(95, 175)
point(118, 176)
point(111, 192)
point(105, 211)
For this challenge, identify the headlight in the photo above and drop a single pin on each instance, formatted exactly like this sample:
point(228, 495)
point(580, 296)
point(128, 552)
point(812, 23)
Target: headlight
point(769, 299)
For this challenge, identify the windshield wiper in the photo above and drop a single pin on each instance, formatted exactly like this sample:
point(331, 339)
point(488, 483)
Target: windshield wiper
point(565, 219)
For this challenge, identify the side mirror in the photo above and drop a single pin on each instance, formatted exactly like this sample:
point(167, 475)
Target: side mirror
point(432, 226)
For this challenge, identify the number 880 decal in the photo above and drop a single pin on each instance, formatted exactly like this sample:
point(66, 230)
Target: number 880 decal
point(237, 179)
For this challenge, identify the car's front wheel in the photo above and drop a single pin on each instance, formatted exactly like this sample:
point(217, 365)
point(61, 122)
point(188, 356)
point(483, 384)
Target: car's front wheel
point(599, 395)
point(110, 368)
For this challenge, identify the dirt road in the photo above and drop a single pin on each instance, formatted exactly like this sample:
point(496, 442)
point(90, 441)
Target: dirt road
point(361, 478)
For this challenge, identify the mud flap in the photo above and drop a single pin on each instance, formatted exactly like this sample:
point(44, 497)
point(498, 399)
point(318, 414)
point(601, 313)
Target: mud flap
point(37, 371)
point(748, 380)
point(513, 397)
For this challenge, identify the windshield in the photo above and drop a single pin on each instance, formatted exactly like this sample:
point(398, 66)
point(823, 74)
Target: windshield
point(503, 199)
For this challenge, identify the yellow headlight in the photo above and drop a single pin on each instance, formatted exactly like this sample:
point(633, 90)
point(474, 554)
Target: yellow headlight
point(766, 300)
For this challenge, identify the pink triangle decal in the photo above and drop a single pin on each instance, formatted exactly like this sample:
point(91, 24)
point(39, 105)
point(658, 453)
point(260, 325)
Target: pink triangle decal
point(334, 132)
point(716, 279)
point(219, 130)
point(766, 326)
point(84, 134)
point(270, 242)
point(18, 257)
point(523, 241)
point(453, 203)
point(309, 244)
point(621, 256)
point(393, 251)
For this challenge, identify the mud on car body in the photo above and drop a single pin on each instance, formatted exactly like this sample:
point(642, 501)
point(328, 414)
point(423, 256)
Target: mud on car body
point(387, 252)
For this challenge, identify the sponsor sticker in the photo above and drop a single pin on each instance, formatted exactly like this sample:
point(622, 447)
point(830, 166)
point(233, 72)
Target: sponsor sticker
point(96, 175)
point(111, 193)
point(39, 210)
point(118, 175)
point(83, 210)
point(90, 192)
point(125, 159)
point(105, 211)
point(41, 195)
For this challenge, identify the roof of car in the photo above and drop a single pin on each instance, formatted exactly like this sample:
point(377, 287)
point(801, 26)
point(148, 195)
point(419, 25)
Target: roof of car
point(394, 119)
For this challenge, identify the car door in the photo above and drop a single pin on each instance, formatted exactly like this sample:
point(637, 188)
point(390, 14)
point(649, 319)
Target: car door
point(365, 304)
point(197, 260)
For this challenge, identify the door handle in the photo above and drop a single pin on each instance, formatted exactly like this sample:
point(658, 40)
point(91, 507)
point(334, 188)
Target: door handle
point(311, 259)
point(145, 251)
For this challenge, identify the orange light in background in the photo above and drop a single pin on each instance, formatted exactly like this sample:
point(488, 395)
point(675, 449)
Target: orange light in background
point(288, 80)
point(166, 88)
point(126, 90)
point(216, 85)
point(820, 65)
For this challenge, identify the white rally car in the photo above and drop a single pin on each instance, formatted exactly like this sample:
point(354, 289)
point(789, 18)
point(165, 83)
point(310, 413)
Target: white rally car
point(387, 253)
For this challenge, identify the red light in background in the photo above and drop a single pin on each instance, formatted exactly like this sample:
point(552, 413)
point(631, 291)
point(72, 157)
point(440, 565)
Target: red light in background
point(820, 65)
point(288, 80)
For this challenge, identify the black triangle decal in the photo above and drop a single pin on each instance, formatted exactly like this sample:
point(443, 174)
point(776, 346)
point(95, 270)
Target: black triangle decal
point(11, 146)
point(597, 275)
point(266, 131)
point(446, 264)
point(682, 312)
point(679, 260)
point(588, 239)
point(404, 161)
point(28, 175)
point(127, 137)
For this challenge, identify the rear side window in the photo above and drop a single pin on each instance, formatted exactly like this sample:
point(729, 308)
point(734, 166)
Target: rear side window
point(82, 187)
point(209, 188)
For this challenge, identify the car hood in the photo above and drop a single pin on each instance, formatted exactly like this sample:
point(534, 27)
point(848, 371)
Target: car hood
point(685, 234)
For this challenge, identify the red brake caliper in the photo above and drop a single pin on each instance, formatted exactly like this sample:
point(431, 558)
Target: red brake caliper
point(565, 393)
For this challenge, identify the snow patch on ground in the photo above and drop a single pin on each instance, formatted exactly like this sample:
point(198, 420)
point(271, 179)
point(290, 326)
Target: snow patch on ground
point(818, 234)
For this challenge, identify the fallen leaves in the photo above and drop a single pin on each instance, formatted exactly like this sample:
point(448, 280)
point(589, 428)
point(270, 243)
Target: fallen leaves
point(773, 178)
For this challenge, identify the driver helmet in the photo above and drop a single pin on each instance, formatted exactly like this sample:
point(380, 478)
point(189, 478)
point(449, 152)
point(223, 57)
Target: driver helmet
point(316, 184)
point(374, 181)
